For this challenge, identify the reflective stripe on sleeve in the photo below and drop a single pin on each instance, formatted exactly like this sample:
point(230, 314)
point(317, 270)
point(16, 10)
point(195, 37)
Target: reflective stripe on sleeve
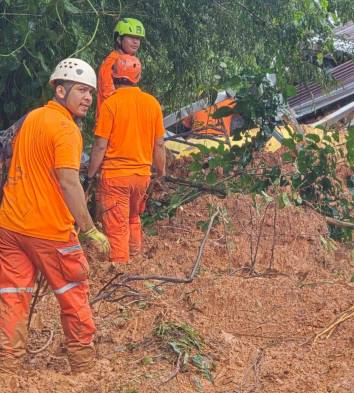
point(15, 290)
point(67, 287)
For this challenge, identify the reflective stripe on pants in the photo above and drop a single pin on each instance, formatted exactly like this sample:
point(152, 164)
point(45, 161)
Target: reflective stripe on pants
point(65, 267)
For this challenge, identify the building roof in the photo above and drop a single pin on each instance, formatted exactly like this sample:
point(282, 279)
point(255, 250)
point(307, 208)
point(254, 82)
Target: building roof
point(311, 97)
point(345, 38)
point(345, 31)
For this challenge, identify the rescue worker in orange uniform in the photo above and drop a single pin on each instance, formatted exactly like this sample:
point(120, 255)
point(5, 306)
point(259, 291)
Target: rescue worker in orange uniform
point(128, 34)
point(202, 122)
point(129, 138)
point(42, 199)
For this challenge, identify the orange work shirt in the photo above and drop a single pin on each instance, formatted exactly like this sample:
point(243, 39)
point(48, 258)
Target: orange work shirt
point(131, 120)
point(105, 81)
point(33, 202)
point(204, 119)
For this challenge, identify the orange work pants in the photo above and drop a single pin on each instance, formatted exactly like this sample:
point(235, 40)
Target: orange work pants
point(65, 267)
point(122, 200)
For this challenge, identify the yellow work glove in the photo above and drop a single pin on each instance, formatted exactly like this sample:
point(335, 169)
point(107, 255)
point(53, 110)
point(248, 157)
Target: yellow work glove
point(97, 237)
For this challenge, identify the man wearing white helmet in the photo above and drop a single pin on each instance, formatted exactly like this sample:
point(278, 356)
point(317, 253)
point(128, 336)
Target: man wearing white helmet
point(42, 199)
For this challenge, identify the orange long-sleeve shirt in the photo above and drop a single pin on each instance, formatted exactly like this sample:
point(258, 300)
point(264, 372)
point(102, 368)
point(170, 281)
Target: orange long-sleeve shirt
point(105, 81)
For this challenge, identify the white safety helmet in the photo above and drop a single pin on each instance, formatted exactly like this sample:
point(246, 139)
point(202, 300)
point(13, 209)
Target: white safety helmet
point(74, 70)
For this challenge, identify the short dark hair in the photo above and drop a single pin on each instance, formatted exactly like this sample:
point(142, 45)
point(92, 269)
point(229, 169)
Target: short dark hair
point(122, 81)
point(116, 44)
point(61, 82)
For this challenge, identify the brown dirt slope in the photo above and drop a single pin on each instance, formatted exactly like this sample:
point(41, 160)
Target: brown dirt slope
point(270, 280)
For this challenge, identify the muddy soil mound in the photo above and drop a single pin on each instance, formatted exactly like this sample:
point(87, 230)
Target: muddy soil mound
point(269, 280)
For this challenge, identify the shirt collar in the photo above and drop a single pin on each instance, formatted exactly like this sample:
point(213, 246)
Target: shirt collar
point(55, 105)
point(128, 88)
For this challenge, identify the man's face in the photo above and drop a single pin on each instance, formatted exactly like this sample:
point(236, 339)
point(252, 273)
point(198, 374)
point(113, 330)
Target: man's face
point(79, 100)
point(130, 44)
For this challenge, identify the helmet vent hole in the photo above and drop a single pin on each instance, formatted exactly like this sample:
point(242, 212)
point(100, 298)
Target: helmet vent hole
point(79, 71)
point(65, 74)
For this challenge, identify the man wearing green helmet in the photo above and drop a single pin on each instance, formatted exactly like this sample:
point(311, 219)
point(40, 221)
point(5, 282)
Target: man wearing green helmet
point(128, 33)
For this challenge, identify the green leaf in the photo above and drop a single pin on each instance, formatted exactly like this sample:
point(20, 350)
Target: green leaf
point(287, 157)
point(203, 364)
point(224, 111)
point(304, 162)
point(195, 166)
point(203, 149)
point(267, 197)
point(324, 4)
point(290, 91)
point(214, 162)
point(203, 225)
point(71, 8)
point(289, 143)
point(320, 58)
point(176, 347)
point(211, 178)
point(147, 360)
point(313, 138)
point(221, 148)
point(335, 136)
point(350, 145)
point(283, 200)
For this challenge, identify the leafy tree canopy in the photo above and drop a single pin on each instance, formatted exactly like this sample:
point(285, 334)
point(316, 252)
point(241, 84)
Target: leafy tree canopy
point(192, 46)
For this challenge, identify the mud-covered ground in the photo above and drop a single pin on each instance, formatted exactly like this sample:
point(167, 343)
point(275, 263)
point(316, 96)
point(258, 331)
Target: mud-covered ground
point(269, 281)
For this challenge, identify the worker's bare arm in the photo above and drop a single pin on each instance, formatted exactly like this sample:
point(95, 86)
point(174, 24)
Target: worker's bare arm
point(74, 197)
point(97, 154)
point(160, 157)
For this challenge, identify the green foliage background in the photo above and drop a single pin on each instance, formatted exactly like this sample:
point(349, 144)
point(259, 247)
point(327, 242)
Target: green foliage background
point(192, 46)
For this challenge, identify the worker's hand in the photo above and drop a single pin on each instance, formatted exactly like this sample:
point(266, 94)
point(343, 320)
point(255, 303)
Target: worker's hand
point(98, 238)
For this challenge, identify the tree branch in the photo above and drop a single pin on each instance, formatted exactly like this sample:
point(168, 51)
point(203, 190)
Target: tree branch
point(109, 289)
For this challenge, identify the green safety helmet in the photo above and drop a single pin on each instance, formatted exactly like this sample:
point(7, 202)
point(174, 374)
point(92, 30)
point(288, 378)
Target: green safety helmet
point(130, 26)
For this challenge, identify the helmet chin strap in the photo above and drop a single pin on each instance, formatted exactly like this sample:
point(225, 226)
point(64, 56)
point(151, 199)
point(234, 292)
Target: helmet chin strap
point(120, 46)
point(63, 101)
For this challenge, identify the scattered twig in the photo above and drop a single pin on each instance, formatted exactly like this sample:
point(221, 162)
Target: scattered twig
point(330, 220)
point(35, 299)
point(195, 132)
point(229, 253)
point(253, 262)
point(199, 186)
point(175, 372)
point(45, 346)
point(328, 331)
point(339, 224)
point(271, 259)
point(254, 368)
